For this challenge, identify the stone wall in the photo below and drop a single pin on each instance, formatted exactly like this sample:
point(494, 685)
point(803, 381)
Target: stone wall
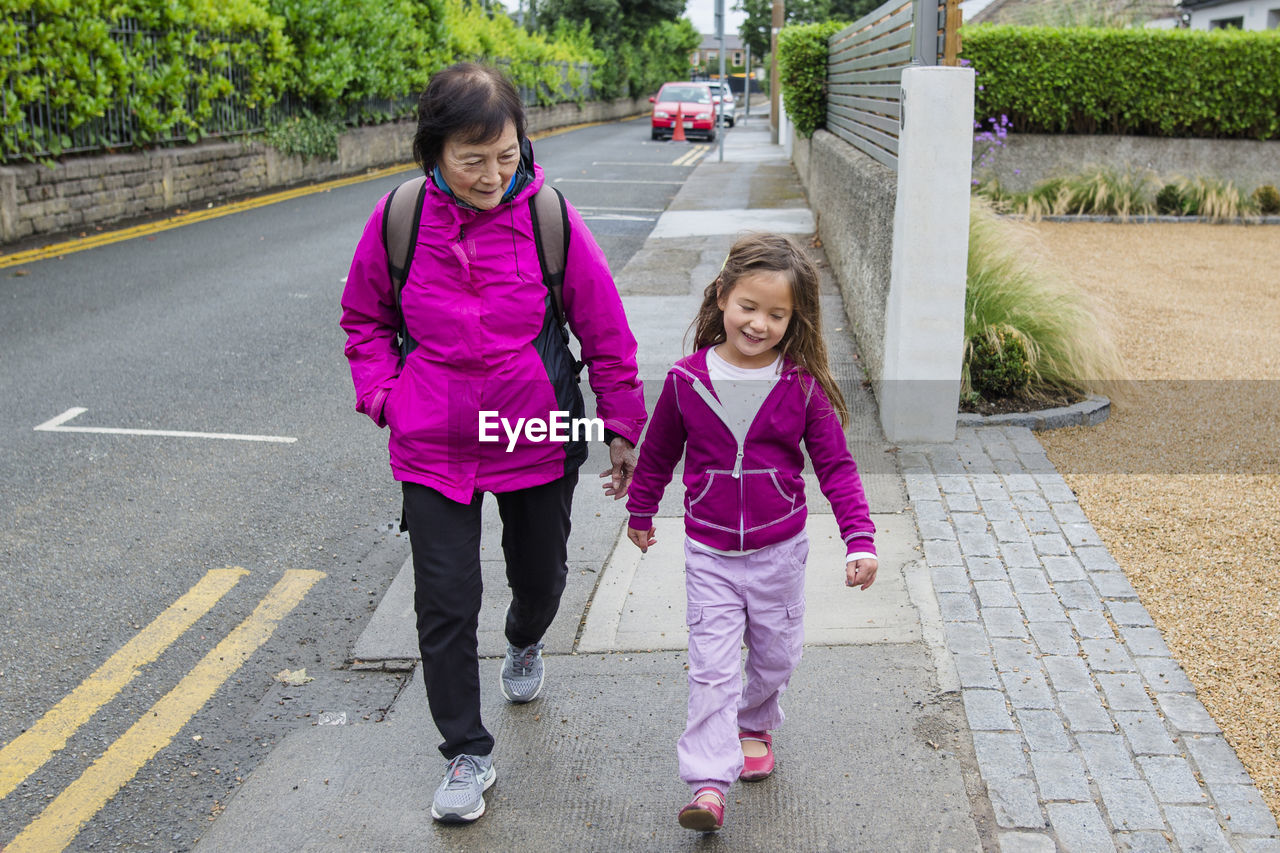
point(83, 192)
point(1028, 158)
point(853, 199)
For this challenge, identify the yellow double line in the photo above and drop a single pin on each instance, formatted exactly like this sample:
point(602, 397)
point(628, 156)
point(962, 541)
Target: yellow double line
point(57, 826)
point(694, 155)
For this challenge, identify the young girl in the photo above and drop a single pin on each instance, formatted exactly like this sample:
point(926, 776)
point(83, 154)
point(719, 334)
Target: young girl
point(737, 410)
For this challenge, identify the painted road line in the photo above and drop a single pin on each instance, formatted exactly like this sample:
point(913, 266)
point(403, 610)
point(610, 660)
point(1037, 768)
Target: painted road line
point(603, 181)
point(624, 209)
point(31, 749)
point(618, 217)
point(69, 246)
point(60, 822)
point(58, 425)
point(692, 156)
point(647, 164)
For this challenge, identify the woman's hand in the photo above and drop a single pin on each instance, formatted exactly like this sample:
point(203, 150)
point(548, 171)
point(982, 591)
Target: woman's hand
point(642, 538)
point(622, 457)
point(861, 572)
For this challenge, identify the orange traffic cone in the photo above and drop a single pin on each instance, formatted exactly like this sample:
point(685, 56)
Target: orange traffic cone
point(677, 135)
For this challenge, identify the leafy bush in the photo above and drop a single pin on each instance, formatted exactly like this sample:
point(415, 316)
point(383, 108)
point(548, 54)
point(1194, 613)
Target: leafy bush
point(306, 136)
point(534, 61)
point(999, 363)
point(1169, 201)
point(1011, 295)
point(351, 50)
point(802, 72)
point(64, 59)
point(1267, 198)
point(1224, 83)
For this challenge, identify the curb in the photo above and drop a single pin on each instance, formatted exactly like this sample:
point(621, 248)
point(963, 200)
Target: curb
point(1089, 412)
point(1146, 219)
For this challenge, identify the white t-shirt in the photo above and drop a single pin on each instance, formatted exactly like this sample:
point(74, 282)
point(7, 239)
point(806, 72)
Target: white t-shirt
point(741, 390)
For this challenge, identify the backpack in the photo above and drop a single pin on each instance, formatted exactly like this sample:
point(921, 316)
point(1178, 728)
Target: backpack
point(402, 215)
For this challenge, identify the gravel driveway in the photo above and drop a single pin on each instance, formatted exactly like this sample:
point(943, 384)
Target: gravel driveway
point(1183, 481)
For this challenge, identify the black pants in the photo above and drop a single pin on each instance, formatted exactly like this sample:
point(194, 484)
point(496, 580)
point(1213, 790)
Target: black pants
point(445, 536)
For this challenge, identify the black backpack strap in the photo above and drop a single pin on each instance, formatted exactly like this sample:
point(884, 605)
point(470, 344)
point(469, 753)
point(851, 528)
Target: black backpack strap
point(401, 217)
point(551, 233)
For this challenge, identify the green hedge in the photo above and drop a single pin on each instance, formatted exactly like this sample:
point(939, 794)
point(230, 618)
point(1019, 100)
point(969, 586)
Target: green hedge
point(802, 71)
point(351, 50)
point(89, 87)
point(63, 54)
point(1220, 84)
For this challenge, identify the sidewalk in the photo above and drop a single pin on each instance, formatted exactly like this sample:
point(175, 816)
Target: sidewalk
point(999, 688)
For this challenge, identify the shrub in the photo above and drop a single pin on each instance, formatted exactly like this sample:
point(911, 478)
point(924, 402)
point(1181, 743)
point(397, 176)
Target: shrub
point(1063, 333)
point(1169, 201)
point(171, 79)
point(999, 362)
point(802, 72)
point(1223, 83)
point(1267, 197)
point(306, 136)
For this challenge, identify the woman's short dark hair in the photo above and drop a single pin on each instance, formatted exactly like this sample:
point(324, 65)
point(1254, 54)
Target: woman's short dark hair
point(469, 101)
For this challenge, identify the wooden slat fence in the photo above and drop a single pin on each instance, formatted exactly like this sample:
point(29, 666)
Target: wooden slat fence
point(864, 69)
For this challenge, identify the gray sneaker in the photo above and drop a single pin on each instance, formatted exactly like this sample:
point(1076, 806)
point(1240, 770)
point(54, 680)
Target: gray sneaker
point(460, 797)
point(522, 673)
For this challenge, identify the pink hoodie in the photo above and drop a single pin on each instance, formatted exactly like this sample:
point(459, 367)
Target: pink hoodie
point(475, 304)
point(740, 498)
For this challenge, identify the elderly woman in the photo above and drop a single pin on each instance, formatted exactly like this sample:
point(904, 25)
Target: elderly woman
point(482, 348)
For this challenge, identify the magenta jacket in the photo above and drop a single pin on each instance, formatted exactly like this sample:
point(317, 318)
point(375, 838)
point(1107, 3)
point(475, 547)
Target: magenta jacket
point(475, 304)
point(743, 498)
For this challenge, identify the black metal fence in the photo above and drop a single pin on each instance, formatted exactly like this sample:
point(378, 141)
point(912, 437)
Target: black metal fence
point(40, 129)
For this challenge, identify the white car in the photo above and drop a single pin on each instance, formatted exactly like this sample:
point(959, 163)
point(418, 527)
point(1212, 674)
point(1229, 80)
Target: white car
point(728, 105)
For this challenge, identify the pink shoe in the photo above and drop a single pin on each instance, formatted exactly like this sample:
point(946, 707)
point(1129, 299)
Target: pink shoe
point(704, 816)
point(755, 769)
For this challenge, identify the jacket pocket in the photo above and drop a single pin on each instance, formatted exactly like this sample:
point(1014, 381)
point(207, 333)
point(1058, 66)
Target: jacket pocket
point(693, 614)
point(767, 500)
point(716, 503)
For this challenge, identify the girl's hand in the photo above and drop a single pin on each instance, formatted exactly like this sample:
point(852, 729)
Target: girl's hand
point(861, 572)
point(642, 538)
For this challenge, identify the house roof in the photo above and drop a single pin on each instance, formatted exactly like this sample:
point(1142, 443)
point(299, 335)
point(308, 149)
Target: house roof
point(1035, 11)
point(732, 41)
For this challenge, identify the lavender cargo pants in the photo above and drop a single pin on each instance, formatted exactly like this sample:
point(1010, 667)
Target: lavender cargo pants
point(758, 598)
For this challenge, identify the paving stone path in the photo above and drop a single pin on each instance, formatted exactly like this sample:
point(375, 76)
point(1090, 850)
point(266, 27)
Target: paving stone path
point(1084, 726)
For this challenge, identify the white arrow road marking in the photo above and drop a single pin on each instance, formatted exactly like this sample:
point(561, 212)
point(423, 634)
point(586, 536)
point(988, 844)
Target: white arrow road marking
point(57, 425)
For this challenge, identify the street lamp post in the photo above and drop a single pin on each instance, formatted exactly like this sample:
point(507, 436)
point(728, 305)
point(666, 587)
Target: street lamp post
point(775, 28)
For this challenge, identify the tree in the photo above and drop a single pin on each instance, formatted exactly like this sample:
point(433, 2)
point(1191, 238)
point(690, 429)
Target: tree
point(759, 20)
point(612, 21)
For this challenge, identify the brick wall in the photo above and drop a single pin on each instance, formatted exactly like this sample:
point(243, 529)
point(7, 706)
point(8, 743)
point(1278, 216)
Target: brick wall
point(84, 192)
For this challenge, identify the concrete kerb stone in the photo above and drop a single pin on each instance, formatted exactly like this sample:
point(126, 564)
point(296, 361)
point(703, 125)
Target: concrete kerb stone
point(1088, 412)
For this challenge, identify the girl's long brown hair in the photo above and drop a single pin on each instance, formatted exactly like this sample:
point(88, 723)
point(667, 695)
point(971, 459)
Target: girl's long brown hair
point(802, 341)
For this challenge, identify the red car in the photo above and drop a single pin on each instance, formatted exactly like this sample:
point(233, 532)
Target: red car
point(692, 101)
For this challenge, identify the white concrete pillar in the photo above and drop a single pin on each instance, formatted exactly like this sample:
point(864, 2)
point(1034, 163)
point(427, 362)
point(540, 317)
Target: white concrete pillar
point(919, 389)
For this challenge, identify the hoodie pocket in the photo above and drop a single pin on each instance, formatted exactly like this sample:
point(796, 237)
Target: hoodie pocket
point(767, 500)
point(716, 503)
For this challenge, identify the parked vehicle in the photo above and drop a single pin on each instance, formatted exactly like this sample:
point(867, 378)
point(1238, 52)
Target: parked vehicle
point(691, 102)
point(722, 94)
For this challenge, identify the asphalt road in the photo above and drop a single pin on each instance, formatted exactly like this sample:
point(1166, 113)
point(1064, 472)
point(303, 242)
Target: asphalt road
point(227, 326)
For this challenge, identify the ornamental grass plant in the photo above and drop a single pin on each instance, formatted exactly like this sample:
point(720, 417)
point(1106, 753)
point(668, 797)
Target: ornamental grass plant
point(1106, 191)
point(1018, 304)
